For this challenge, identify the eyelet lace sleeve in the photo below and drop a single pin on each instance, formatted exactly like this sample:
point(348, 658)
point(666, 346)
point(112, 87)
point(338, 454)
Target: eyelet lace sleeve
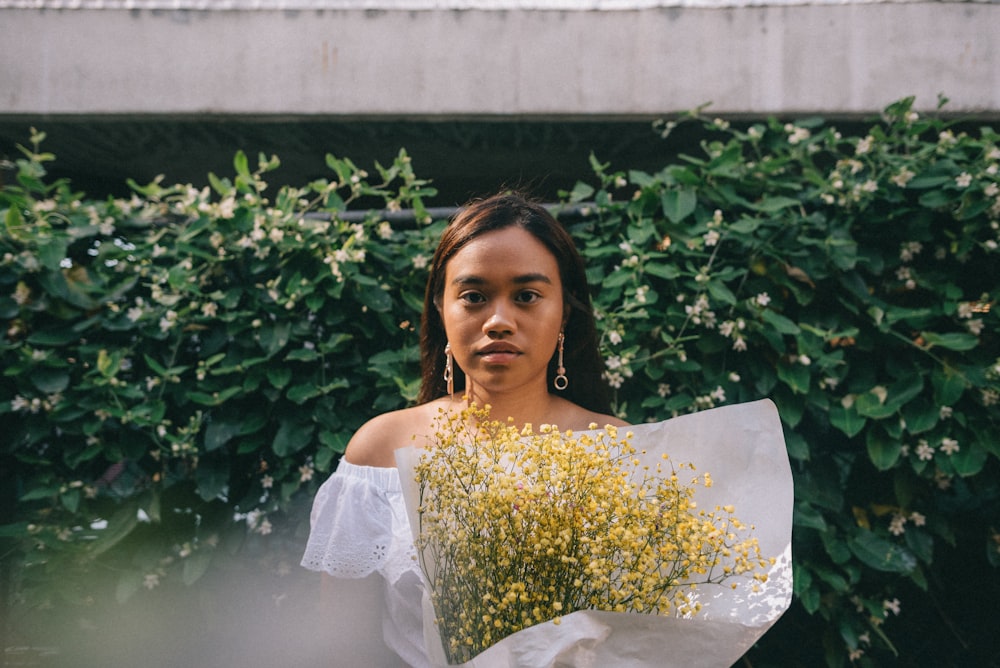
point(360, 527)
point(352, 521)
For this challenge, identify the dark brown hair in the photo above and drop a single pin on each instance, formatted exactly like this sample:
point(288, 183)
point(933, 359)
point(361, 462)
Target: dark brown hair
point(582, 357)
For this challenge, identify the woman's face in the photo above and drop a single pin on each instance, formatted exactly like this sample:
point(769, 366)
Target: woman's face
point(503, 309)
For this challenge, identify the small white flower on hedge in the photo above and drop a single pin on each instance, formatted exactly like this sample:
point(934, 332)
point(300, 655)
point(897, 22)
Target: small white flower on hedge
point(949, 446)
point(864, 145)
point(904, 177)
point(925, 452)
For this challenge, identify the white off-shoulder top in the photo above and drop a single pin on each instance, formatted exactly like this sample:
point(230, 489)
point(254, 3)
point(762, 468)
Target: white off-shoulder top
point(359, 526)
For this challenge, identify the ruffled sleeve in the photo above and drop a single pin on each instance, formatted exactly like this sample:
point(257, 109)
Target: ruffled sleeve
point(352, 521)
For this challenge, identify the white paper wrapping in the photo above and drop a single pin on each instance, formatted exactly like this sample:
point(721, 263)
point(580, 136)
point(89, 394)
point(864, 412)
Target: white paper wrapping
point(743, 449)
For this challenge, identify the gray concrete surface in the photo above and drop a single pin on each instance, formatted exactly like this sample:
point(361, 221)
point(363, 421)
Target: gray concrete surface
point(847, 59)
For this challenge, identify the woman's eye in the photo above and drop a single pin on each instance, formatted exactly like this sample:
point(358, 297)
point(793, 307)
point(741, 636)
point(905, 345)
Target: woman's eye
point(472, 298)
point(527, 297)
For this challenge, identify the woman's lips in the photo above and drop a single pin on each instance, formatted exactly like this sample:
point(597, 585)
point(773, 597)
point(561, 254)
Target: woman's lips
point(498, 354)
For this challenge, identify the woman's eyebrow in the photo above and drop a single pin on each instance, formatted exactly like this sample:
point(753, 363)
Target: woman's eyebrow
point(472, 279)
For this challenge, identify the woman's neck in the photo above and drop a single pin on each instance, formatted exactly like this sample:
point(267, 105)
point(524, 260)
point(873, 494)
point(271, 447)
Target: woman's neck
point(535, 407)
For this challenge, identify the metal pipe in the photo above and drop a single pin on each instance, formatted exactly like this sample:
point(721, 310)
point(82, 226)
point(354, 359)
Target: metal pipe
point(407, 217)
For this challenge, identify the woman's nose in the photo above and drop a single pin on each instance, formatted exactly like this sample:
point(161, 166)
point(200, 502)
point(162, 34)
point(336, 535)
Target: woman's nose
point(500, 321)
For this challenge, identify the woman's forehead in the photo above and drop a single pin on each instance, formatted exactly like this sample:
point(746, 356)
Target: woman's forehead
point(510, 252)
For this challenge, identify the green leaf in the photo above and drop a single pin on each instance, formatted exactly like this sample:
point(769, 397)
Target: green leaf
point(581, 192)
point(903, 390)
point(219, 432)
point(70, 500)
point(802, 585)
point(952, 340)
point(935, 199)
point(109, 363)
point(882, 450)
point(847, 420)
point(215, 398)
point(745, 225)
point(791, 406)
point(302, 355)
point(969, 460)
point(920, 416)
point(678, 204)
point(796, 376)
point(119, 526)
point(335, 441)
point(797, 446)
point(292, 436)
point(241, 164)
point(212, 478)
point(948, 387)
point(805, 515)
point(835, 547)
point(52, 253)
point(53, 337)
point(720, 292)
point(274, 336)
point(772, 204)
point(37, 493)
point(14, 223)
point(50, 380)
point(661, 269)
point(279, 376)
point(871, 405)
point(881, 554)
point(302, 393)
point(921, 544)
point(375, 298)
point(196, 565)
point(836, 581)
point(779, 322)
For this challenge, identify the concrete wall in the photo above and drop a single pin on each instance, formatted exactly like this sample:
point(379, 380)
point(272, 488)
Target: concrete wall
point(835, 59)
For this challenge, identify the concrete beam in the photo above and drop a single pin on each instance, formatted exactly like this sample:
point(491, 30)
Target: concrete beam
point(834, 59)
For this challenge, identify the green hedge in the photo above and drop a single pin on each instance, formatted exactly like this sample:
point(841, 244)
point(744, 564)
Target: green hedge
point(182, 369)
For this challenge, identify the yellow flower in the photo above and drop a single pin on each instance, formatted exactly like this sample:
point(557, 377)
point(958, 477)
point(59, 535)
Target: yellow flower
point(518, 527)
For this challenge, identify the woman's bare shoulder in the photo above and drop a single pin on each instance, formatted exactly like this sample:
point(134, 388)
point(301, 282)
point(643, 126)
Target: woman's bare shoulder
point(376, 441)
point(602, 420)
point(577, 417)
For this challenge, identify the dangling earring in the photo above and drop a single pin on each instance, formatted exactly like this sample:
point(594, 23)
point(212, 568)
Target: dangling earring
point(449, 370)
point(561, 382)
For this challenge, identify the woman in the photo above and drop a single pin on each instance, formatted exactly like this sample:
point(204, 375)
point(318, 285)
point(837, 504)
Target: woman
point(507, 322)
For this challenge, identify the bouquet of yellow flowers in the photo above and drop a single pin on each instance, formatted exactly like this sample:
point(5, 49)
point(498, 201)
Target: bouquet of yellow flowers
point(519, 528)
